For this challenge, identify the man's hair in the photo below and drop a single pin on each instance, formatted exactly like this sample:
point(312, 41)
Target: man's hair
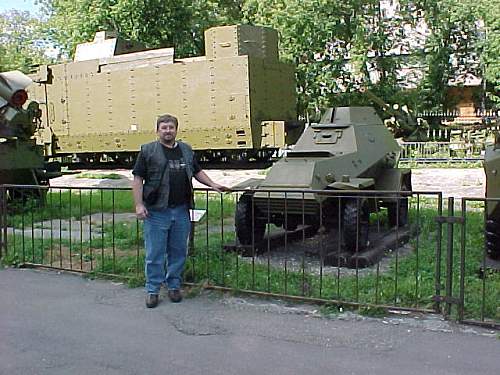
point(167, 118)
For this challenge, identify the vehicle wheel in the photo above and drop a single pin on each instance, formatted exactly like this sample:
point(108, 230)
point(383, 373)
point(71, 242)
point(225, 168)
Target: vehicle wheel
point(248, 231)
point(355, 224)
point(27, 197)
point(292, 222)
point(397, 212)
point(492, 239)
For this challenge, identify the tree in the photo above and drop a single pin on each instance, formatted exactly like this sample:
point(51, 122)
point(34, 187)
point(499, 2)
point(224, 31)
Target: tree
point(488, 11)
point(21, 42)
point(155, 23)
point(464, 40)
point(338, 47)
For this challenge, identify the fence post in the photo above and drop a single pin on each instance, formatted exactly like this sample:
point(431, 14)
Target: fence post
point(449, 258)
point(437, 285)
point(2, 197)
point(448, 298)
point(461, 306)
point(3, 222)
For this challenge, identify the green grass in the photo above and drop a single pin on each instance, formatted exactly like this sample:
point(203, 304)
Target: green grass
point(79, 203)
point(70, 204)
point(406, 281)
point(217, 205)
point(100, 176)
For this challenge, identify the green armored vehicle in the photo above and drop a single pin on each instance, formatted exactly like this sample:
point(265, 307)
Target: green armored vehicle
point(349, 151)
point(492, 170)
point(235, 104)
point(21, 160)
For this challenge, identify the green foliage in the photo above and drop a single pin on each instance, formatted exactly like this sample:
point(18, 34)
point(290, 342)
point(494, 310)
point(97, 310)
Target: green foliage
point(488, 11)
point(337, 47)
point(21, 42)
point(333, 45)
point(464, 39)
point(156, 23)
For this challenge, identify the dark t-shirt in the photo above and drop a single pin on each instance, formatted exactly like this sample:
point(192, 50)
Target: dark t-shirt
point(179, 186)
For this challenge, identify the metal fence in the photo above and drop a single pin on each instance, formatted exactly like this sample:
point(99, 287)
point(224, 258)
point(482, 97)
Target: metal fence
point(435, 152)
point(415, 266)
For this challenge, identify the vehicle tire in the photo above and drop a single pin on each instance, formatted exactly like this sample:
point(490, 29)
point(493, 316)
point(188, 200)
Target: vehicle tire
point(292, 222)
point(248, 231)
point(355, 224)
point(492, 239)
point(397, 213)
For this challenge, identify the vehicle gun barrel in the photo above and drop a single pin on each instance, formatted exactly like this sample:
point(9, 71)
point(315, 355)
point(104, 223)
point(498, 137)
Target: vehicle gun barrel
point(13, 88)
point(402, 122)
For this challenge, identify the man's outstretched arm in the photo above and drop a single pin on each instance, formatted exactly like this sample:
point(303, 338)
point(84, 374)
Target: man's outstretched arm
point(202, 177)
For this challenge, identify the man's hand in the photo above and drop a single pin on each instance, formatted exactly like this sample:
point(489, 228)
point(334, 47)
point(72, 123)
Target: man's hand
point(141, 211)
point(202, 177)
point(220, 188)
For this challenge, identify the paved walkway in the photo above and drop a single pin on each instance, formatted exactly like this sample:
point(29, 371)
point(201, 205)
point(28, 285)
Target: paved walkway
point(53, 323)
point(457, 182)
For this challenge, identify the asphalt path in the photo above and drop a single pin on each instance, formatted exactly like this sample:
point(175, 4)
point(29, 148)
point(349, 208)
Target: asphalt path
point(56, 323)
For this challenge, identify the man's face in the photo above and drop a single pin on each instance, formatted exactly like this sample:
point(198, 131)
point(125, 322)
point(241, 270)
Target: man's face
point(167, 132)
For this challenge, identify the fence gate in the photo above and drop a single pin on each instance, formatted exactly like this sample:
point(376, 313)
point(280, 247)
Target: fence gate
point(477, 301)
point(448, 298)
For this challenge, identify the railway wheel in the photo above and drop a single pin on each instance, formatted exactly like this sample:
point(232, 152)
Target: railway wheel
point(355, 224)
point(249, 226)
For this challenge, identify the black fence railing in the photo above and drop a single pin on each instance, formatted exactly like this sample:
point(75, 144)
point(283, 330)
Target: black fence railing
point(439, 152)
point(364, 249)
point(476, 282)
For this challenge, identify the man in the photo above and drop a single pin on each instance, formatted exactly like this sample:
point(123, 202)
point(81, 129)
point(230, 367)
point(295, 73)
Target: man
point(163, 194)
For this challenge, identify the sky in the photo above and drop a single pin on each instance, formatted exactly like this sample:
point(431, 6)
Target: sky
point(18, 5)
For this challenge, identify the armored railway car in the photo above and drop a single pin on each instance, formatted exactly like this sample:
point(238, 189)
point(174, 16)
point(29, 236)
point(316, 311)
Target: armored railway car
point(236, 103)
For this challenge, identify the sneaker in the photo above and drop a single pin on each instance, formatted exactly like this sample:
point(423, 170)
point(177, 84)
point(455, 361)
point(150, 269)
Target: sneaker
point(151, 300)
point(175, 295)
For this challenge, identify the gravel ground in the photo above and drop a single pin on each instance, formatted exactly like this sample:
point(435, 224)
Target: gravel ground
point(466, 182)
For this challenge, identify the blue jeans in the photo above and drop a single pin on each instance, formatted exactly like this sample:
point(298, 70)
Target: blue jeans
point(166, 233)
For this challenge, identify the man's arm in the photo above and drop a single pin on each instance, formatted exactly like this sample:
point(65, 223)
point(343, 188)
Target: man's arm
point(140, 209)
point(202, 177)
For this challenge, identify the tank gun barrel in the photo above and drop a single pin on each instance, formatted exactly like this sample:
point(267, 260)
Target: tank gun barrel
point(377, 100)
point(13, 88)
point(403, 123)
point(16, 122)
